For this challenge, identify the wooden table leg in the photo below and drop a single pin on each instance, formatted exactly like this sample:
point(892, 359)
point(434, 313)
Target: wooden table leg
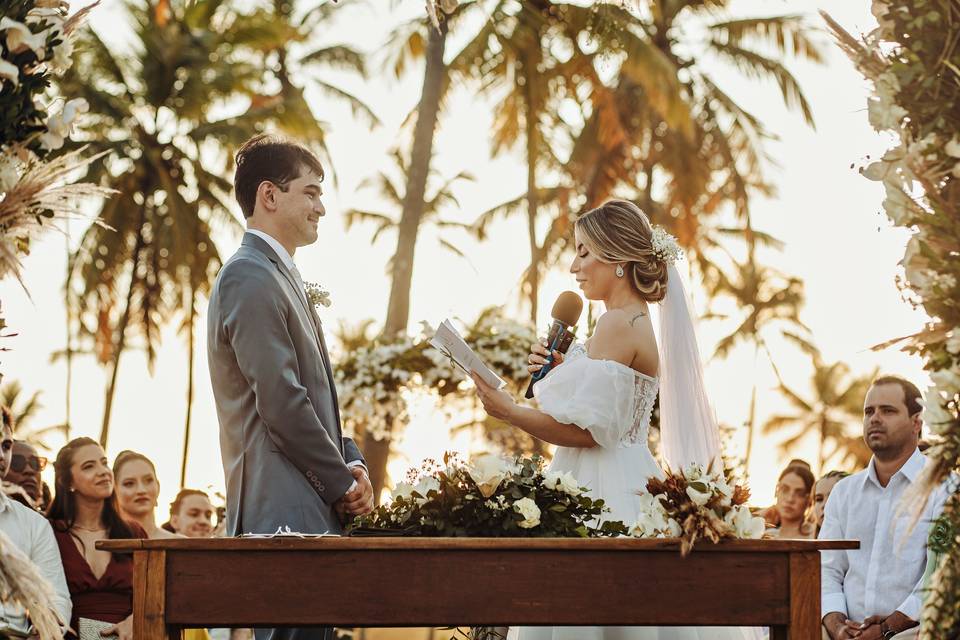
point(149, 595)
point(778, 632)
point(804, 596)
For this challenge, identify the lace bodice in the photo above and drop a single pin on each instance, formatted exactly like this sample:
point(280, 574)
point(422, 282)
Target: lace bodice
point(609, 399)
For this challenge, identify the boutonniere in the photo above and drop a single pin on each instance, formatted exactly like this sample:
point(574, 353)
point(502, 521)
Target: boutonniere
point(316, 295)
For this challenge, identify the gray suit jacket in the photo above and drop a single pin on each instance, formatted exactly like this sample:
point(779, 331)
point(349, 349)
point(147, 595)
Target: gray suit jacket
point(284, 455)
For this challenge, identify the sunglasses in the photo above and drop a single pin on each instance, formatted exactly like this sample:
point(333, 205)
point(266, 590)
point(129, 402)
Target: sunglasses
point(18, 463)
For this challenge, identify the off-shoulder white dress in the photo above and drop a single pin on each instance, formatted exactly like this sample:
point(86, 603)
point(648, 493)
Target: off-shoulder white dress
point(613, 402)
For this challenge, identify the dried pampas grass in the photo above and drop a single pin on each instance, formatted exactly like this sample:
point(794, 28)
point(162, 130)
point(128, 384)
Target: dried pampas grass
point(21, 583)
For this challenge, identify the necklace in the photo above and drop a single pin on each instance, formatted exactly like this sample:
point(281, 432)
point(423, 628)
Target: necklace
point(98, 530)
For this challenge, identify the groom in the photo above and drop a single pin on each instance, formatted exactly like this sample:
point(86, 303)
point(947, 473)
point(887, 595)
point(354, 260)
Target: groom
point(286, 461)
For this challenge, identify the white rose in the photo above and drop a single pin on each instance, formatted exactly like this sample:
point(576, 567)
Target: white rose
point(699, 497)
point(530, 512)
point(744, 523)
point(425, 486)
point(487, 471)
point(564, 482)
point(8, 173)
point(403, 490)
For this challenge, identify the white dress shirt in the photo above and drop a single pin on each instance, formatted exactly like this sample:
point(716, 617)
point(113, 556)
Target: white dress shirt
point(291, 266)
point(31, 533)
point(884, 575)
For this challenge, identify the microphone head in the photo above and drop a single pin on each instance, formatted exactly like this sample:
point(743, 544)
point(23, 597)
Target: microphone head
point(567, 308)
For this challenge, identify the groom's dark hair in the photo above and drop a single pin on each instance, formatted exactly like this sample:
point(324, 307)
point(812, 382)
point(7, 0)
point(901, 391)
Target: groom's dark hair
point(272, 158)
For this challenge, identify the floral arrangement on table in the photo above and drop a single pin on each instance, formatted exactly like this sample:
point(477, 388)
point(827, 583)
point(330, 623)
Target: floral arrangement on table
point(21, 584)
point(695, 504)
point(913, 63)
point(490, 496)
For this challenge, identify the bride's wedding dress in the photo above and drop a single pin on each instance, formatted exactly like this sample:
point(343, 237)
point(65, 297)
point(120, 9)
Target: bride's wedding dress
point(614, 402)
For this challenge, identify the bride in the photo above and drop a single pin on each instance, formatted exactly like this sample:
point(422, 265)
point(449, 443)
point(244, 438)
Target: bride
point(595, 403)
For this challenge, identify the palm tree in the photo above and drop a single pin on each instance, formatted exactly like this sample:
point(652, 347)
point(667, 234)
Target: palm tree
point(411, 42)
point(512, 58)
point(169, 159)
point(377, 451)
point(24, 414)
point(833, 412)
point(663, 131)
point(770, 301)
point(391, 191)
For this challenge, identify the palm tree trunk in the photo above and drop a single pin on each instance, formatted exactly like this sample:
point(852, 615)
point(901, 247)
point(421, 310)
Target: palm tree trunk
point(377, 452)
point(121, 336)
point(190, 352)
point(533, 271)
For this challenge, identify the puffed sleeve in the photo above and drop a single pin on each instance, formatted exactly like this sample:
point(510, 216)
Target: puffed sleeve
point(595, 395)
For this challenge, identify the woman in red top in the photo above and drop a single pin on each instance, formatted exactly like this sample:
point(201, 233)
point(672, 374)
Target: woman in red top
point(83, 511)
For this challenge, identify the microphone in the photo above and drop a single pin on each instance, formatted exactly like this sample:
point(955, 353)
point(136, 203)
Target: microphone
point(566, 311)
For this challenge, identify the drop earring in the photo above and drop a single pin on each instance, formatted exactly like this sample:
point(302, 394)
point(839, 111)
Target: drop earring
point(619, 271)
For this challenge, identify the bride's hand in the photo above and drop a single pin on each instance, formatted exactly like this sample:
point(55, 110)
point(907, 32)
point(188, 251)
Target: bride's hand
point(496, 403)
point(538, 356)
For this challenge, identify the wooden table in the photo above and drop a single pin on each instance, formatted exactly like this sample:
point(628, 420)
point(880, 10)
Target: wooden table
point(423, 582)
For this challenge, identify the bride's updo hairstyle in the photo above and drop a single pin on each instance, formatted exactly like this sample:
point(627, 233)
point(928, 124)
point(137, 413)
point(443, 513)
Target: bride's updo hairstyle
point(618, 231)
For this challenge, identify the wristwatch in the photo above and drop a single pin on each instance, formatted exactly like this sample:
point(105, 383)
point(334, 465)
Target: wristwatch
point(886, 631)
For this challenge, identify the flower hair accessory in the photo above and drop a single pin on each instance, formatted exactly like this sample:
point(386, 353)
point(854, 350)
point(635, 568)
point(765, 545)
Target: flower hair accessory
point(316, 295)
point(665, 246)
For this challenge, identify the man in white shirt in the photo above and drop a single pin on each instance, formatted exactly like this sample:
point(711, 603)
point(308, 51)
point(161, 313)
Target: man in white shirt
point(31, 533)
point(874, 592)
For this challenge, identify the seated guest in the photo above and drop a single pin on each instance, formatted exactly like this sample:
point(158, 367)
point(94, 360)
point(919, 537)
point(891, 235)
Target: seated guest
point(191, 514)
point(876, 591)
point(85, 510)
point(821, 491)
point(25, 468)
point(788, 516)
point(138, 490)
point(30, 533)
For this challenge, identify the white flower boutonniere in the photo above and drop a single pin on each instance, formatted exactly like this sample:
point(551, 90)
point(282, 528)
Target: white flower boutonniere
point(316, 295)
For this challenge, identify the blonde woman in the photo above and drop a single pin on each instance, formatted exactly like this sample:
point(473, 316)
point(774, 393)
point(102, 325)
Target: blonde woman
point(596, 405)
point(138, 491)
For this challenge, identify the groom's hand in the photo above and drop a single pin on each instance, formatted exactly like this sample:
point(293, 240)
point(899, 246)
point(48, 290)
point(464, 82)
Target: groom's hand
point(359, 502)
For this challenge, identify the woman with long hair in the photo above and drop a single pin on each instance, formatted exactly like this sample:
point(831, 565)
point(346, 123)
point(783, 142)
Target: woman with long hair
point(84, 510)
point(595, 405)
point(138, 491)
point(794, 499)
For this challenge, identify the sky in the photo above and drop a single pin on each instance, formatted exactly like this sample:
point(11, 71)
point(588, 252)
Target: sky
point(829, 216)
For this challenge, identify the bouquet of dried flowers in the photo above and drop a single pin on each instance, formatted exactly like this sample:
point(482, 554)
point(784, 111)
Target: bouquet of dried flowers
point(695, 504)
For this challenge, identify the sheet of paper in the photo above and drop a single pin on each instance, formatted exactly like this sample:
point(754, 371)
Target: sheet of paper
point(449, 341)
